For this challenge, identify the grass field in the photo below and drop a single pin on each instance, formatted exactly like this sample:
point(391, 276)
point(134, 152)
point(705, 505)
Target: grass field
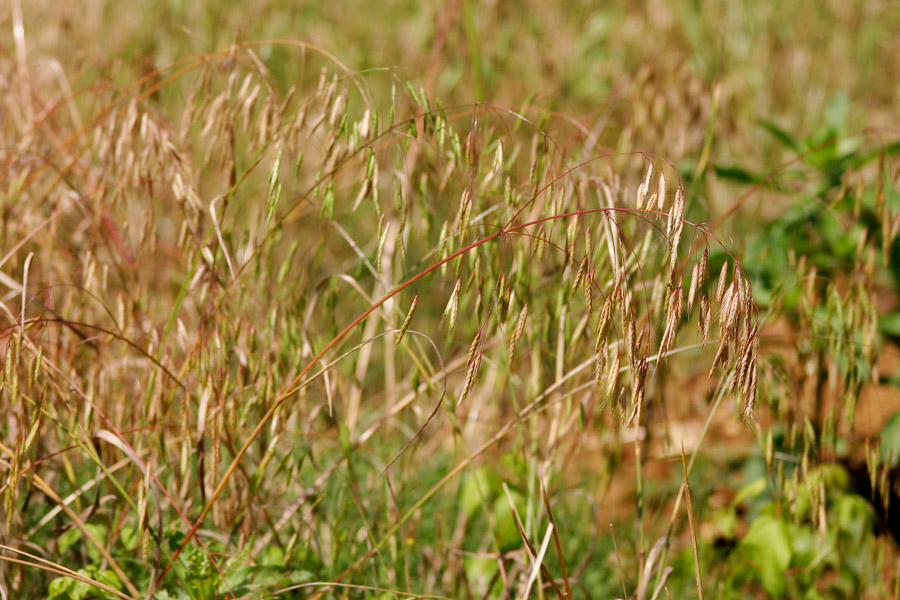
point(473, 299)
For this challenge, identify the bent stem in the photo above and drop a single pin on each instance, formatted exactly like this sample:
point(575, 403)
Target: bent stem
point(294, 386)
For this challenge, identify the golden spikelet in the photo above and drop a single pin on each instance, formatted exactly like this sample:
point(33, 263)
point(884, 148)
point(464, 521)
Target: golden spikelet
point(676, 225)
point(579, 275)
point(452, 309)
point(465, 211)
point(695, 280)
point(723, 277)
point(660, 194)
point(721, 356)
point(612, 375)
point(704, 319)
point(673, 316)
point(644, 188)
point(605, 317)
point(704, 268)
point(588, 291)
point(638, 380)
point(474, 362)
point(407, 320)
point(630, 341)
point(599, 364)
point(745, 358)
point(518, 331)
point(729, 311)
point(749, 391)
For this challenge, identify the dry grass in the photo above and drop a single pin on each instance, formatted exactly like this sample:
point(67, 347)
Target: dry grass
point(261, 338)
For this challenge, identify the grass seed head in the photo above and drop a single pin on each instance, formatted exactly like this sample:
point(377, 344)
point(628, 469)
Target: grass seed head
point(676, 226)
point(452, 310)
point(474, 363)
point(518, 331)
point(407, 320)
point(673, 318)
point(704, 318)
point(695, 280)
point(723, 279)
point(612, 375)
point(660, 194)
point(644, 187)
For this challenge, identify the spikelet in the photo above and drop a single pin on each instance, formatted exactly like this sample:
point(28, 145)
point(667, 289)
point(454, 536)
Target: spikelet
point(675, 225)
point(579, 276)
point(673, 316)
point(631, 344)
point(721, 356)
point(588, 291)
point(735, 308)
point(612, 375)
point(746, 356)
point(695, 281)
point(638, 379)
point(723, 276)
point(605, 320)
point(704, 269)
point(660, 194)
point(518, 331)
point(474, 362)
point(748, 363)
point(599, 364)
point(452, 309)
point(465, 211)
point(729, 320)
point(601, 339)
point(407, 320)
point(704, 319)
point(644, 188)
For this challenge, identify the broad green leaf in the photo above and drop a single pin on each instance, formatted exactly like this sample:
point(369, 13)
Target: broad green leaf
point(768, 545)
point(890, 440)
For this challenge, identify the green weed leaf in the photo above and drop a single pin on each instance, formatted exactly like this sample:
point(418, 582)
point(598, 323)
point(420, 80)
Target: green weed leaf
point(768, 545)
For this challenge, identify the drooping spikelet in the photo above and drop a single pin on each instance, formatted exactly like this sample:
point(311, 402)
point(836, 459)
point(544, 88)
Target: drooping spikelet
point(474, 362)
point(644, 188)
point(407, 320)
point(518, 331)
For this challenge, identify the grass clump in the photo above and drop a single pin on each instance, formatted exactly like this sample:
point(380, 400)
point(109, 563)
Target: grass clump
point(278, 327)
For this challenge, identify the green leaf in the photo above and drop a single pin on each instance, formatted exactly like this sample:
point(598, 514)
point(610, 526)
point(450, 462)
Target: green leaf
point(272, 556)
point(68, 539)
point(100, 532)
point(890, 324)
point(751, 490)
point(474, 491)
point(107, 578)
point(66, 588)
point(890, 441)
point(129, 537)
point(59, 588)
point(836, 111)
point(768, 545)
point(782, 136)
point(854, 516)
point(507, 532)
point(737, 174)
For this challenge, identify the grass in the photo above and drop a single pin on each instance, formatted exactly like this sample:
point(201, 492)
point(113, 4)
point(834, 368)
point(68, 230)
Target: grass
point(349, 306)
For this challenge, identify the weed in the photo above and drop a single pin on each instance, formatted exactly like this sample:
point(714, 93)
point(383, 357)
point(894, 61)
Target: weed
point(315, 334)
